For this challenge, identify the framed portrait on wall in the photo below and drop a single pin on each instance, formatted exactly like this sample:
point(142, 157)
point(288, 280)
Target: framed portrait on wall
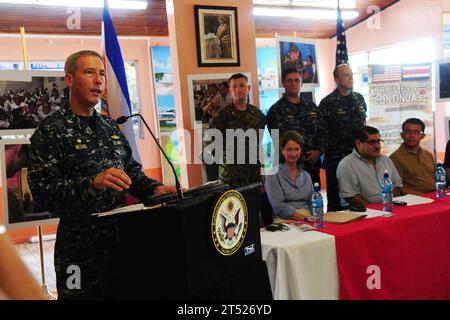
point(18, 202)
point(217, 37)
point(204, 91)
point(27, 97)
point(443, 81)
point(447, 128)
point(308, 94)
point(299, 54)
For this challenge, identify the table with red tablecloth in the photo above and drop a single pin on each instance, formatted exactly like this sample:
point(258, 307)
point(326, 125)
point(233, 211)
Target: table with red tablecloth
point(406, 256)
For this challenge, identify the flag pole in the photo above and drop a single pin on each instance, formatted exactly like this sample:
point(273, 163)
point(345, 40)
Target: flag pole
point(24, 49)
point(39, 228)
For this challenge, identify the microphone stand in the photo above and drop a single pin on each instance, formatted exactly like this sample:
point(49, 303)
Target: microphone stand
point(233, 180)
point(177, 182)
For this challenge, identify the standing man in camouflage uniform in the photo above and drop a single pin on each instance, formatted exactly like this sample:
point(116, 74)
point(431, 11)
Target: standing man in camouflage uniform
point(344, 113)
point(81, 163)
point(240, 115)
point(294, 113)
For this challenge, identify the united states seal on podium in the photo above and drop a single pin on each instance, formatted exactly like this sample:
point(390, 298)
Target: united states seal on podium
point(229, 222)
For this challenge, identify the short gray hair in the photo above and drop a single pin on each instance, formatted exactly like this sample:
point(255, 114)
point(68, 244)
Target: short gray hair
point(71, 62)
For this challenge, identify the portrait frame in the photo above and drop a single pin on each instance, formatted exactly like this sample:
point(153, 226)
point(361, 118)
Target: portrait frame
point(197, 84)
point(447, 128)
point(217, 43)
point(25, 215)
point(29, 80)
point(443, 81)
point(306, 50)
point(308, 93)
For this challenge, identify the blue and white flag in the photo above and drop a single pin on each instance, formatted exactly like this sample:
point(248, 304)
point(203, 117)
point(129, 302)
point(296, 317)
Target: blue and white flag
point(118, 98)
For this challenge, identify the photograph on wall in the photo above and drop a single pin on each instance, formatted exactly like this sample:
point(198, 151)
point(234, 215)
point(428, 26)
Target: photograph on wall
point(396, 93)
point(164, 88)
point(447, 128)
point(308, 94)
point(208, 93)
point(267, 64)
point(298, 54)
point(18, 202)
point(363, 76)
point(27, 97)
point(217, 36)
point(443, 81)
point(165, 104)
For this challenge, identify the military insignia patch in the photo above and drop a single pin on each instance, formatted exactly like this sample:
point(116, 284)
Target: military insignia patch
point(341, 111)
point(229, 222)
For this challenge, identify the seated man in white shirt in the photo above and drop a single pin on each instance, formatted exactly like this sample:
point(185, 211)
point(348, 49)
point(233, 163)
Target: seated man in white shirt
point(360, 173)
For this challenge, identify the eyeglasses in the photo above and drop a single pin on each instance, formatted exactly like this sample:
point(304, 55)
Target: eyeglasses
point(373, 142)
point(291, 81)
point(415, 132)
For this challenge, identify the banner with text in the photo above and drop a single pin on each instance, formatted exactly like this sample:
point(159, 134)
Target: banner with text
point(396, 93)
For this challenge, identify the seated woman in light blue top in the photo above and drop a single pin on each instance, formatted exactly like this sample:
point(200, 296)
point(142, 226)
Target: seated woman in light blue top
point(291, 188)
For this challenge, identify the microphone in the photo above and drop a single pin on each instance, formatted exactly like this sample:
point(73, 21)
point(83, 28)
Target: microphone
point(123, 119)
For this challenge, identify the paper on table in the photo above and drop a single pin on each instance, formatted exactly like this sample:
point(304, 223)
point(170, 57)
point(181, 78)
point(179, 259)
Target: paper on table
point(302, 226)
point(372, 213)
point(132, 208)
point(413, 200)
point(343, 216)
point(369, 213)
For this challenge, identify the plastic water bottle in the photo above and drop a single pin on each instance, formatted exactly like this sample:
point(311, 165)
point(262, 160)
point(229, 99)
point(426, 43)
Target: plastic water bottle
point(386, 193)
point(441, 183)
point(317, 207)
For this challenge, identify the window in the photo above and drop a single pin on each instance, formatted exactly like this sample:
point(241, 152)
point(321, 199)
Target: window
point(413, 52)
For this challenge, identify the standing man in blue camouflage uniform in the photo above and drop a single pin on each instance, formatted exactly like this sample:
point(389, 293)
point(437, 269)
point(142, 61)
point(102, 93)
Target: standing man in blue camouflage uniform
point(81, 163)
point(240, 115)
point(302, 115)
point(344, 113)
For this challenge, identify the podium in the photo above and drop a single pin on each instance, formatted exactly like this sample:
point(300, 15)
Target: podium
point(168, 252)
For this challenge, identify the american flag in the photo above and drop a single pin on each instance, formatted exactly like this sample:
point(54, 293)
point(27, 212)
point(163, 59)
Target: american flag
point(416, 72)
point(341, 42)
point(388, 73)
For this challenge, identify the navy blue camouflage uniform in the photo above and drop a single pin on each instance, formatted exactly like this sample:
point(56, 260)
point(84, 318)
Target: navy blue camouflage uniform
point(342, 116)
point(304, 118)
point(67, 152)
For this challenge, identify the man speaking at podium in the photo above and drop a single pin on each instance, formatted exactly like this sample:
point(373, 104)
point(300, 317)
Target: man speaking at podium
point(81, 163)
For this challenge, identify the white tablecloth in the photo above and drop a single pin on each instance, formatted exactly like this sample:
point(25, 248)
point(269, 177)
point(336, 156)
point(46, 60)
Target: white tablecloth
point(301, 265)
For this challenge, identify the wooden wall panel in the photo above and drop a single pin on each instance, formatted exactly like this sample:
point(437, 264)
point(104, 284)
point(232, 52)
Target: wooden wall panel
point(153, 21)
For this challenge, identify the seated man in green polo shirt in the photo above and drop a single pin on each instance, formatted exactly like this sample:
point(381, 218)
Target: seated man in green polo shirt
point(414, 164)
